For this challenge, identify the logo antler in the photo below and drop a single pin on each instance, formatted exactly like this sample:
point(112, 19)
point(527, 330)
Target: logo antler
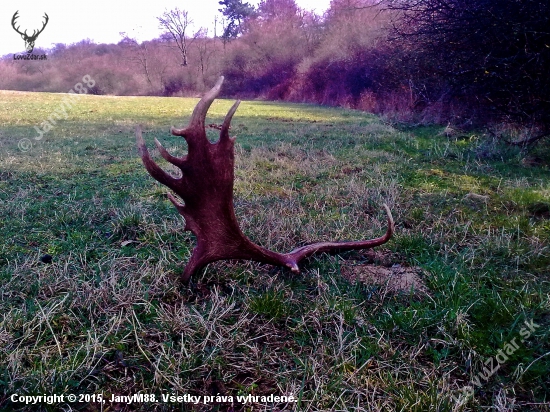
point(29, 40)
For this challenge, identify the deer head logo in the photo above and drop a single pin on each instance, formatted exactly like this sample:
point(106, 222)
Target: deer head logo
point(29, 40)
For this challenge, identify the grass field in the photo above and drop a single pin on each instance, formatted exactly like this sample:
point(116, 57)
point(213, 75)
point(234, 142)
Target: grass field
point(108, 314)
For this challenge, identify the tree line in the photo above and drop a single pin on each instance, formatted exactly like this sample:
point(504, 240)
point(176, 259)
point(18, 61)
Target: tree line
point(465, 62)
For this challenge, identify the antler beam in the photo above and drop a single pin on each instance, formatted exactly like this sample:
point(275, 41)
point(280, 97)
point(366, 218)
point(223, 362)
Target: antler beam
point(206, 188)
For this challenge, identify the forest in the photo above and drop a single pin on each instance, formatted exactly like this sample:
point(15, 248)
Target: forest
point(466, 63)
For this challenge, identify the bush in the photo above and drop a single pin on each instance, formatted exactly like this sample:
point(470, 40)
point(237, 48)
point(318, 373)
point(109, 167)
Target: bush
point(487, 51)
point(173, 86)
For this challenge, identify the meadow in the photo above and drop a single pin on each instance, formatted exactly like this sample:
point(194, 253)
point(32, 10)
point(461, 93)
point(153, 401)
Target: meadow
point(408, 326)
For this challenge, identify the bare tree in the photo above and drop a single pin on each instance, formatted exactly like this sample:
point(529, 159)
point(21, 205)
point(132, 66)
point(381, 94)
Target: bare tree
point(178, 24)
point(206, 187)
point(153, 69)
point(140, 54)
point(204, 51)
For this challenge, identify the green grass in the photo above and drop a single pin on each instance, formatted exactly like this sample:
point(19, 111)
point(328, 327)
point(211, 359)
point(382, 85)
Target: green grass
point(109, 315)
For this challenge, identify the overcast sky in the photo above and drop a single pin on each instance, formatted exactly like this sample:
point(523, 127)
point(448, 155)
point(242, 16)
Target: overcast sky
point(103, 20)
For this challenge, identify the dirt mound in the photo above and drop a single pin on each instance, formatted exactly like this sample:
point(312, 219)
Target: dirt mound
point(395, 278)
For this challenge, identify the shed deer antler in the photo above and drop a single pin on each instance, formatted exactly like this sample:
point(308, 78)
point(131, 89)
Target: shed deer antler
point(206, 187)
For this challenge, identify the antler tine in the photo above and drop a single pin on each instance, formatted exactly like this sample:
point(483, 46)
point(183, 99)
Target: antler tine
point(176, 161)
point(154, 170)
point(391, 223)
point(199, 114)
point(224, 133)
point(15, 17)
point(179, 206)
point(43, 24)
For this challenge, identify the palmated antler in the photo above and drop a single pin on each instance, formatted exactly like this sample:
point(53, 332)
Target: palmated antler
point(206, 187)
